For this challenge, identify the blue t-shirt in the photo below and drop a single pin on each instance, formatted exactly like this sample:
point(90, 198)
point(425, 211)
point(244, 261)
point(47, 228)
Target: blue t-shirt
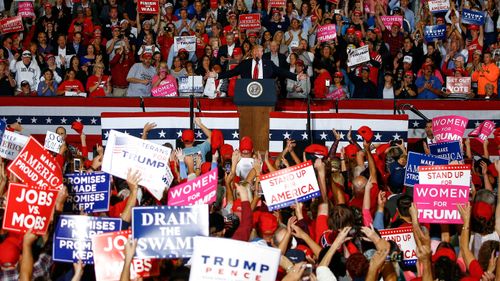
point(202, 148)
point(426, 94)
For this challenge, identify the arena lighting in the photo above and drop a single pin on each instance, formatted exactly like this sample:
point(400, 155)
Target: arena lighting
point(407, 106)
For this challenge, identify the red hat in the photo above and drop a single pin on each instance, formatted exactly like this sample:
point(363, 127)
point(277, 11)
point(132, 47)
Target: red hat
point(444, 252)
point(338, 74)
point(187, 136)
point(351, 30)
point(474, 27)
point(357, 13)
point(482, 210)
point(252, 34)
point(317, 149)
point(377, 30)
point(275, 11)
point(49, 56)
point(237, 51)
point(299, 62)
point(11, 251)
point(47, 5)
point(226, 151)
point(366, 132)
point(77, 126)
point(493, 171)
point(147, 55)
point(182, 50)
point(231, 15)
point(246, 145)
point(351, 150)
point(206, 167)
point(409, 73)
point(115, 27)
point(267, 223)
point(358, 34)
point(396, 23)
point(428, 64)
point(216, 139)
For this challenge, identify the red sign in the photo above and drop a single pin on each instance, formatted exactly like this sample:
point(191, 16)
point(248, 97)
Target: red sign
point(25, 9)
point(37, 167)
point(109, 258)
point(28, 208)
point(13, 24)
point(148, 6)
point(250, 21)
point(277, 3)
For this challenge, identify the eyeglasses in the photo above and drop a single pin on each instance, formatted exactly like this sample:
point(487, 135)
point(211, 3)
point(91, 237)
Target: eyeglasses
point(408, 76)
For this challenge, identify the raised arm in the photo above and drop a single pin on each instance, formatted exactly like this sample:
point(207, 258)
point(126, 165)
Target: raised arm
point(205, 130)
point(129, 255)
point(133, 179)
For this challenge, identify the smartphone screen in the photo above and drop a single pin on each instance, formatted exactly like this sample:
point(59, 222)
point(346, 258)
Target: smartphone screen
point(76, 165)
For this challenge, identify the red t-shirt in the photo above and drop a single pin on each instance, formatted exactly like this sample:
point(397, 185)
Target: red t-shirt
point(99, 92)
point(75, 86)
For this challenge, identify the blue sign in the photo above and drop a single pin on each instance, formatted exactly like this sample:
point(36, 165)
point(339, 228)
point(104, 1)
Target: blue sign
point(472, 17)
point(88, 192)
point(416, 160)
point(73, 236)
point(449, 150)
point(168, 231)
point(3, 125)
point(435, 32)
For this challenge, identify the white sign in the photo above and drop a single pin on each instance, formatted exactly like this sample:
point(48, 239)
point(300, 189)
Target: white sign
point(232, 260)
point(185, 42)
point(287, 186)
point(445, 175)
point(11, 145)
point(436, 6)
point(124, 152)
point(190, 84)
point(53, 142)
point(75, 94)
point(358, 56)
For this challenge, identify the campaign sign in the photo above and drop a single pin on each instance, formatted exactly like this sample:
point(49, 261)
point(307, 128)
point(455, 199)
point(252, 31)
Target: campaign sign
point(185, 42)
point(449, 128)
point(388, 21)
point(358, 55)
point(148, 6)
point(109, 258)
point(53, 141)
point(336, 94)
point(28, 208)
point(472, 17)
point(445, 175)
point(458, 85)
point(73, 236)
point(277, 3)
point(166, 89)
point(326, 33)
point(12, 144)
point(434, 32)
point(439, 6)
point(449, 150)
point(168, 232)
point(437, 203)
point(285, 187)
point(484, 130)
point(190, 84)
point(201, 190)
point(232, 260)
point(37, 167)
point(124, 152)
point(12, 24)
point(249, 21)
point(3, 126)
point(403, 236)
point(416, 160)
point(25, 9)
point(88, 192)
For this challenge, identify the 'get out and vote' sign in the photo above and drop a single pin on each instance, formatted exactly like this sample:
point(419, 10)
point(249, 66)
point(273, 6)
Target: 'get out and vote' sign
point(109, 257)
point(28, 208)
point(440, 190)
point(403, 236)
point(232, 260)
point(284, 187)
point(88, 192)
point(73, 236)
point(201, 190)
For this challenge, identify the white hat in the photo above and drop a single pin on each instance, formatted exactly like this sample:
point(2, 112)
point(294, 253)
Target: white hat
point(408, 59)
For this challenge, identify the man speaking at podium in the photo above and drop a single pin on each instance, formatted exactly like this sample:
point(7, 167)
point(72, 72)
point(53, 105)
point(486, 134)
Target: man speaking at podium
point(257, 68)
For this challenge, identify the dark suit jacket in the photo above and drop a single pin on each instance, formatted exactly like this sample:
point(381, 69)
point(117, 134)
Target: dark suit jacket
point(223, 52)
point(71, 49)
point(418, 146)
point(244, 69)
point(281, 58)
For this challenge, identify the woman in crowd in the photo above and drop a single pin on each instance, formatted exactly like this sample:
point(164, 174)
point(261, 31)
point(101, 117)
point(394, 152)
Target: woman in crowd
point(162, 78)
point(301, 88)
point(70, 84)
point(48, 86)
point(338, 90)
point(98, 85)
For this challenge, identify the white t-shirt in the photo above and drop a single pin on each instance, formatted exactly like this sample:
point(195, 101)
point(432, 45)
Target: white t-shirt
point(244, 167)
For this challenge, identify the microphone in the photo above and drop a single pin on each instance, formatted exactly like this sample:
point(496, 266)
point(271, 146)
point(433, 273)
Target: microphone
point(414, 110)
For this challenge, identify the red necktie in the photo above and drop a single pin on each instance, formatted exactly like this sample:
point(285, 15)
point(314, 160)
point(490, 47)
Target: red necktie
point(256, 71)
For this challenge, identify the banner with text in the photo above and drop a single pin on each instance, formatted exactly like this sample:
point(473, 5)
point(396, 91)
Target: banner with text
point(148, 6)
point(124, 152)
point(37, 167)
point(326, 33)
point(25, 9)
point(53, 142)
point(88, 192)
point(448, 150)
point(472, 17)
point(249, 21)
point(458, 85)
point(437, 203)
point(439, 6)
point(388, 21)
point(12, 24)
point(416, 160)
point(201, 190)
point(483, 131)
point(12, 144)
point(277, 3)
point(28, 208)
point(403, 236)
point(434, 32)
point(284, 187)
point(445, 175)
point(449, 128)
point(167, 89)
point(358, 56)
point(187, 43)
point(73, 236)
point(168, 232)
point(232, 260)
point(109, 257)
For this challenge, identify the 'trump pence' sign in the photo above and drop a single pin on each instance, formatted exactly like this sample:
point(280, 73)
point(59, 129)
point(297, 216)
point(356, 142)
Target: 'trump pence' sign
point(28, 208)
point(201, 190)
point(124, 152)
point(449, 128)
point(72, 238)
point(231, 260)
point(297, 183)
point(168, 232)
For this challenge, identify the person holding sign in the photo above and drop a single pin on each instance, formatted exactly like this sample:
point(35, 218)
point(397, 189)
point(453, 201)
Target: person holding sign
point(163, 78)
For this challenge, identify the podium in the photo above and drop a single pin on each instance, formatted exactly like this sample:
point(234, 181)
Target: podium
point(255, 100)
